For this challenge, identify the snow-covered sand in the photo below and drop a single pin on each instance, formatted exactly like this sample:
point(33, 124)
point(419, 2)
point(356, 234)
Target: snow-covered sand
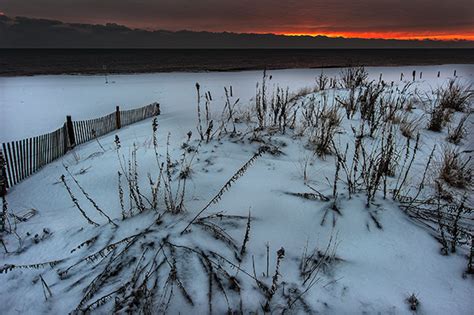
point(378, 270)
point(30, 106)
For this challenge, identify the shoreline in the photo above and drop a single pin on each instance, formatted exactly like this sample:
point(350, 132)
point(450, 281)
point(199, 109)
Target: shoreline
point(204, 70)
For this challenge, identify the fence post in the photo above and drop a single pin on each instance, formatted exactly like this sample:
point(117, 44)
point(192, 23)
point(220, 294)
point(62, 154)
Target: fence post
point(157, 109)
point(70, 132)
point(118, 123)
point(3, 176)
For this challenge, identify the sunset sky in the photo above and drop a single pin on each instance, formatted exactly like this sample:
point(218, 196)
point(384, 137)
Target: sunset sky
point(400, 19)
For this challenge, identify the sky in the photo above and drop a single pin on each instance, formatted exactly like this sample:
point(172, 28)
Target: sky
point(399, 19)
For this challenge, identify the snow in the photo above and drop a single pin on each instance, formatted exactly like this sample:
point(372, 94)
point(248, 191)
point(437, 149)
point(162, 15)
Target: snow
point(379, 269)
point(34, 105)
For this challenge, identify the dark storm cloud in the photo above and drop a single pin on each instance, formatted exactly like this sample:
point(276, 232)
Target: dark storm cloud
point(23, 32)
point(335, 16)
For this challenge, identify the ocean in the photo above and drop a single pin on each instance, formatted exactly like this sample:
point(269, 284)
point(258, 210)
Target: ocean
point(19, 62)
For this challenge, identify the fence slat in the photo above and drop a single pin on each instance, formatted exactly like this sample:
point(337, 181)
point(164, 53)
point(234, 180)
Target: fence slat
point(21, 161)
point(24, 160)
point(36, 154)
point(54, 144)
point(10, 165)
point(3, 174)
point(46, 148)
point(28, 156)
point(40, 151)
point(17, 160)
point(9, 175)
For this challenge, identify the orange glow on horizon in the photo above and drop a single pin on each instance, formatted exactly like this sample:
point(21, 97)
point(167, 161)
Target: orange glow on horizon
point(386, 35)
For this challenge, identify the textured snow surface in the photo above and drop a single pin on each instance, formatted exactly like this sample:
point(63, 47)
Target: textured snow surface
point(378, 270)
point(30, 106)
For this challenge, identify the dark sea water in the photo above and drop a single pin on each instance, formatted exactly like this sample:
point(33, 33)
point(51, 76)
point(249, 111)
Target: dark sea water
point(15, 62)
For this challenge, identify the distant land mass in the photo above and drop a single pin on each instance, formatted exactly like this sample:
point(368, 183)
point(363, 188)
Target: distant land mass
point(24, 32)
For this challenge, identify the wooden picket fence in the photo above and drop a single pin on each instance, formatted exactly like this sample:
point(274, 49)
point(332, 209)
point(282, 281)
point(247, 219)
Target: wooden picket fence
point(20, 159)
point(86, 130)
